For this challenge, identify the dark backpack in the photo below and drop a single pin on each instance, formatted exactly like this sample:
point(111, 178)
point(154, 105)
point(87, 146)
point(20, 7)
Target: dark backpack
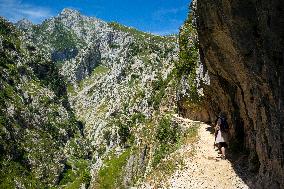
point(224, 127)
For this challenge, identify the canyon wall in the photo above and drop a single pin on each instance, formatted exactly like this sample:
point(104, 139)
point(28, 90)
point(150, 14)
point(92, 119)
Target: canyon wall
point(241, 46)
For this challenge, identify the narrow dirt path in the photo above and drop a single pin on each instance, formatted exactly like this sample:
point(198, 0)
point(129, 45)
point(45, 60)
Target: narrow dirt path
point(206, 169)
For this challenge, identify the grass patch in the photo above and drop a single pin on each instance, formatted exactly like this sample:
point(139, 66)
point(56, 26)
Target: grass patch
point(102, 108)
point(166, 160)
point(110, 176)
point(190, 135)
point(71, 89)
point(76, 174)
point(12, 172)
point(98, 71)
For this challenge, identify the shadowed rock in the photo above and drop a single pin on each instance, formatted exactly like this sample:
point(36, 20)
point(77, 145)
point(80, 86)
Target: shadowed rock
point(241, 44)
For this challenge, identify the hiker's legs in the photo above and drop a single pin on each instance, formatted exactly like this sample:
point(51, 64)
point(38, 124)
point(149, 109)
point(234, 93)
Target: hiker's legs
point(223, 146)
point(223, 151)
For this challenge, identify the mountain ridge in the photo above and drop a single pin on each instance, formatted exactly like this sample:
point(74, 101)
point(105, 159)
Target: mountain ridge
point(119, 82)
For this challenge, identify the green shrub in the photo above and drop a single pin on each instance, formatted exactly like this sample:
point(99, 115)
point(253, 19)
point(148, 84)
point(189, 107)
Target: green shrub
point(11, 171)
point(138, 118)
point(76, 173)
point(159, 87)
point(114, 45)
point(107, 136)
point(160, 153)
point(123, 132)
point(189, 53)
point(168, 135)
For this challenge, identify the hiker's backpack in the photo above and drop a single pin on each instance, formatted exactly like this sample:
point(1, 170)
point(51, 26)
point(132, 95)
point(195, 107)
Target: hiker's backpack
point(224, 127)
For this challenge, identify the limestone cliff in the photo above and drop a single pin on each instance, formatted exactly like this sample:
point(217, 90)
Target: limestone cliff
point(192, 76)
point(121, 86)
point(241, 44)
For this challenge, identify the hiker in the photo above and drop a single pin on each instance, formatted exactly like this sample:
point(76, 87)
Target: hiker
point(221, 134)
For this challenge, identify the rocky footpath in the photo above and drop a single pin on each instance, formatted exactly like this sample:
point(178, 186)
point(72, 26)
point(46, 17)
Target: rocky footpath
point(202, 165)
point(241, 45)
point(206, 169)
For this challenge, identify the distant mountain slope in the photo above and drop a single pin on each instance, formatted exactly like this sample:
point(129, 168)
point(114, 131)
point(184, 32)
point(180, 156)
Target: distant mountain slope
point(121, 86)
point(36, 120)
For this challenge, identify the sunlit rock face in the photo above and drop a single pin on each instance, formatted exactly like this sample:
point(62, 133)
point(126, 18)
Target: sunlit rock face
point(120, 82)
point(241, 44)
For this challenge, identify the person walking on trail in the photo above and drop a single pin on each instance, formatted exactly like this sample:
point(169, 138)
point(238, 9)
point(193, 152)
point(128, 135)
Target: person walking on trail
point(221, 134)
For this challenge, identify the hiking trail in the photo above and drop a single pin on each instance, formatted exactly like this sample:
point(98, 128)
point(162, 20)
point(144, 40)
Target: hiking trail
point(205, 169)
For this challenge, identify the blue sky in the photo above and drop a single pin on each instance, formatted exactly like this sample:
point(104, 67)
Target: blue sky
point(155, 16)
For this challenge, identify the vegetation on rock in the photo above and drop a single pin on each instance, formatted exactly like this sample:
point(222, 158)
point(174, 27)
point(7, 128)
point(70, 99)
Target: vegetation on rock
point(34, 109)
point(92, 97)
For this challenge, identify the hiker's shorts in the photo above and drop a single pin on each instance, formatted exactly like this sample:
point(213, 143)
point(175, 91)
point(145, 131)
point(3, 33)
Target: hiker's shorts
point(223, 144)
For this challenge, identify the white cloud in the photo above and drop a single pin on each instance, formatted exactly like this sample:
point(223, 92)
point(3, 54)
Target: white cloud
point(15, 10)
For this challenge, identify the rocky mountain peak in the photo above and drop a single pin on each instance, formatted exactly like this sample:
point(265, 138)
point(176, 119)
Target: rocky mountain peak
point(74, 15)
point(69, 12)
point(83, 26)
point(24, 23)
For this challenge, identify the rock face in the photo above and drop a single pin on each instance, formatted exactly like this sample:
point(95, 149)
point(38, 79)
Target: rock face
point(121, 86)
point(241, 44)
point(24, 24)
point(192, 75)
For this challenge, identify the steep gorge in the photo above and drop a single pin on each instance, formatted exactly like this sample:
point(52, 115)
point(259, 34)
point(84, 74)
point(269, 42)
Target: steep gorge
point(120, 84)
